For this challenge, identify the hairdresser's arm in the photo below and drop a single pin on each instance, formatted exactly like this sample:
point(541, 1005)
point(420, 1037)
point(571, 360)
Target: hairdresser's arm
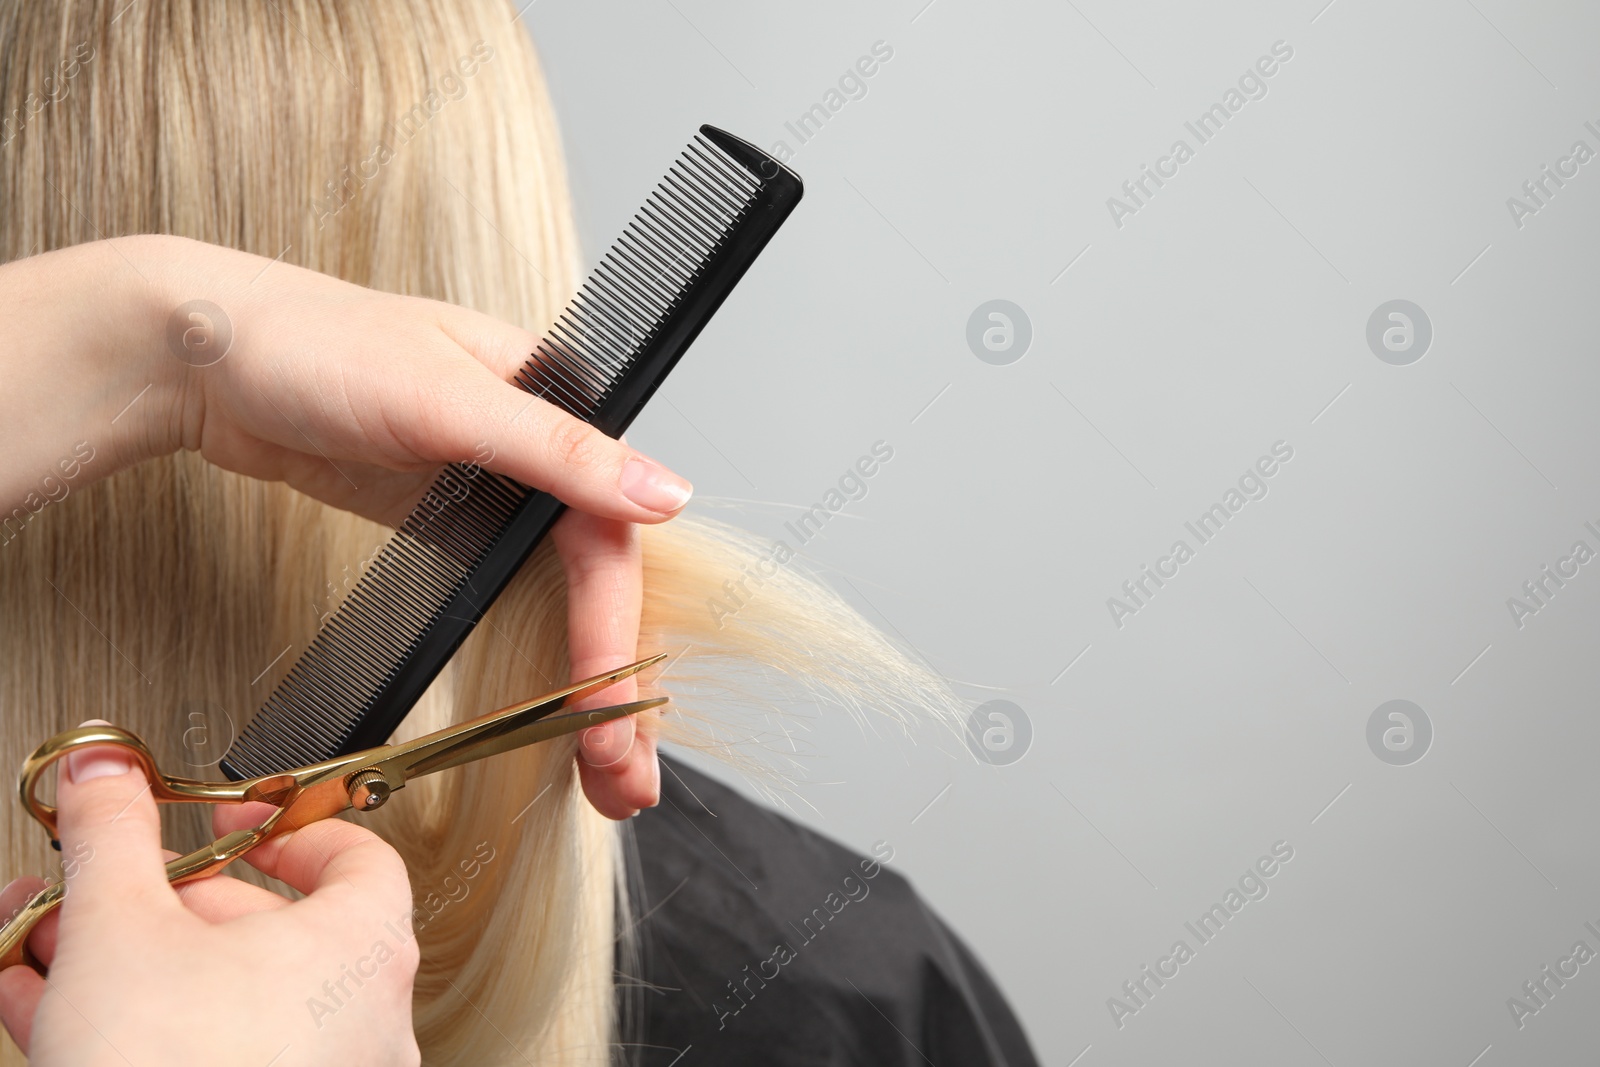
point(119, 351)
point(220, 971)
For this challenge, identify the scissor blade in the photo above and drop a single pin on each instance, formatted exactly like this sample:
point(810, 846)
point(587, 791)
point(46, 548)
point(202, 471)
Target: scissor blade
point(578, 690)
point(518, 733)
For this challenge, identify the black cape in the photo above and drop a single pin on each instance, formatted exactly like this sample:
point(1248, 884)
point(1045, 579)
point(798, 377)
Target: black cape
point(762, 942)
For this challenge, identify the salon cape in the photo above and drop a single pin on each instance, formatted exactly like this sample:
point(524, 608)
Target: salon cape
point(758, 941)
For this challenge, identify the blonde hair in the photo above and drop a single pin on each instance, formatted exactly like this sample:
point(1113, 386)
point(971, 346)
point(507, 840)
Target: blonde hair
point(372, 142)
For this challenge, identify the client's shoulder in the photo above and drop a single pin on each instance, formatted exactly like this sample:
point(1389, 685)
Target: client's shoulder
point(721, 835)
point(761, 940)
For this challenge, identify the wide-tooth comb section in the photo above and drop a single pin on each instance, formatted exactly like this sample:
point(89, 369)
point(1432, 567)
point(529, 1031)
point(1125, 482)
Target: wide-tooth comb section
point(698, 231)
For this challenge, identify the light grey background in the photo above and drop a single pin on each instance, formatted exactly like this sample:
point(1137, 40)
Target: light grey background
point(1229, 313)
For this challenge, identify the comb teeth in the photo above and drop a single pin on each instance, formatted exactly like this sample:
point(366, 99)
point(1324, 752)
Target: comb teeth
point(659, 256)
point(654, 289)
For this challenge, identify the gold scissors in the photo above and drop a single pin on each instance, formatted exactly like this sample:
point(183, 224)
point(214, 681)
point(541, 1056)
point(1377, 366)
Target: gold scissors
point(362, 780)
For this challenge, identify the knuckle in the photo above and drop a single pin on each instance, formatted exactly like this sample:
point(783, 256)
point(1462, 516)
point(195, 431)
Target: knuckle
point(575, 444)
point(409, 1054)
point(99, 803)
point(445, 406)
point(609, 580)
point(407, 958)
point(391, 868)
point(505, 349)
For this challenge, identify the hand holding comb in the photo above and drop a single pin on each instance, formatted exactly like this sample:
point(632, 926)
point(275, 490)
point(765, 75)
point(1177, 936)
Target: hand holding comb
point(655, 289)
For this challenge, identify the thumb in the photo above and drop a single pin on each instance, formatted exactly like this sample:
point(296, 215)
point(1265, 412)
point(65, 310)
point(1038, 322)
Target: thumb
point(110, 833)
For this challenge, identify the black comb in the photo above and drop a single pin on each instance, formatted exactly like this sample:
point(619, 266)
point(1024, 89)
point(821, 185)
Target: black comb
point(659, 284)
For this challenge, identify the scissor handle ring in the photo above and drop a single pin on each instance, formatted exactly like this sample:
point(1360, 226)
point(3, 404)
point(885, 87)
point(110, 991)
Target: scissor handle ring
point(47, 754)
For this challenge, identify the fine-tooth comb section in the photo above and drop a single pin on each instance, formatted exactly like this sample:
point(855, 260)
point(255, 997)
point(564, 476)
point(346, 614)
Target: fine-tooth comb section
point(698, 231)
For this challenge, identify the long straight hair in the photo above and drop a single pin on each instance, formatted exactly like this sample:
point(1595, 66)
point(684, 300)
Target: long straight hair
point(373, 142)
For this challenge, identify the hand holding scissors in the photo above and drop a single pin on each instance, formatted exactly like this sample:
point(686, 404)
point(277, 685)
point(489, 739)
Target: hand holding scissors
point(361, 780)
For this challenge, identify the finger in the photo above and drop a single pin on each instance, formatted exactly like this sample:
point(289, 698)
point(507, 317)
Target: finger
point(219, 897)
point(477, 412)
point(20, 990)
point(539, 444)
point(222, 898)
point(266, 857)
point(368, 489)
point(300, 864)
point(623, 788)
point(604, 564)
point(499, 346)
point(110, 833)
point(226, 818)
point(342, 868)
point(42, 938)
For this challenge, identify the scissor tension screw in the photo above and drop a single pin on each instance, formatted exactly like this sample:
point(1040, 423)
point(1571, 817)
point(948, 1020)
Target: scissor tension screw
point(368, 790)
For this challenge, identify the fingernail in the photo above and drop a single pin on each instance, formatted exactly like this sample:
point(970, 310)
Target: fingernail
point(103, 761)
point(652, 486)
point(598, 748)
point(593, 743)
point(602, 746)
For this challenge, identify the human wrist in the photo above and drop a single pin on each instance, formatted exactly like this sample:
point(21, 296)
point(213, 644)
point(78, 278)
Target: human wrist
point(146, 353)
point(115, 385)
point(84, 387)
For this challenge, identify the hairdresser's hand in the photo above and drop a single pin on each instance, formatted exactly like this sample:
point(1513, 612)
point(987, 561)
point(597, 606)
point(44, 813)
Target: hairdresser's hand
point(353, 396)
point(225, 973)
point(356, 397)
